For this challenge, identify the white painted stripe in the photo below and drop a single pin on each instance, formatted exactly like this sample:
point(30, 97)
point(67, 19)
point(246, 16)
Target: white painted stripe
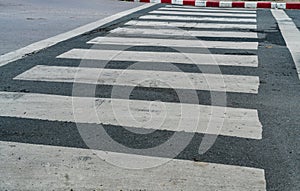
point(190, 24)
point(207, 10)
point(273, 5)
point(250, 5)
point(143, 78)
point(281, 5)
point(37, 46)
point(179, 32)
point(200, 3)
point(238, 122)
point(191, 18)
point(162, 57)
point(173, 43)
point(291, 35)
point(177, 2)
point(203, 14)
point(225, 4)
point(60, 168)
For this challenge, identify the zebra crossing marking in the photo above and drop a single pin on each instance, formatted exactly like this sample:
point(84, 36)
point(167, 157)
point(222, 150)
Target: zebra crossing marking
point(216, 14)
point(238, 122)
point(162, 57)
point(207, 10)
point(194, 25)
point(144, 78)
point(191, 18)
point(49, 165)
point(178, 32)
point(174, 43)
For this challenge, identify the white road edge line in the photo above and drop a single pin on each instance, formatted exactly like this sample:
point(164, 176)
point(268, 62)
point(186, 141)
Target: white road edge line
point(51, 165)
point(37, 46)
point(291, 35)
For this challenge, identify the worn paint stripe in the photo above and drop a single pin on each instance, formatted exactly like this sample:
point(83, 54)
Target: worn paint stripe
point(61, 168)
point(144, 78)
point(179, 32)
point(163, 57)
point(238, 122)
point(191, 18)
point(203, 14)
point(207, 10)
point(194, 25)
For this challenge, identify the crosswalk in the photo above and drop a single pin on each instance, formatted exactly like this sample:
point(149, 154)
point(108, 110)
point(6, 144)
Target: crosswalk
point(156, 29)
point(178, 43)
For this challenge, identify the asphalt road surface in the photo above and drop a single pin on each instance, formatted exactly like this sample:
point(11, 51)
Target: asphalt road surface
point(168, 98)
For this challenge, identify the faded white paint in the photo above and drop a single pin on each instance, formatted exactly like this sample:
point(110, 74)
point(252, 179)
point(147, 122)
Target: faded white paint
point(179, 32)
point(235, 122)
point(167, 57)
point(191, 18)
point(196, 9)
point(175, 43)
point(194, 25)
point(216, 14)
point(144, 78)
point(60, 168)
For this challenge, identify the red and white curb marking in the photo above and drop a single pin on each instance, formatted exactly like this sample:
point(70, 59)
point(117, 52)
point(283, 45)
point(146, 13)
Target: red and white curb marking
point(227, 4)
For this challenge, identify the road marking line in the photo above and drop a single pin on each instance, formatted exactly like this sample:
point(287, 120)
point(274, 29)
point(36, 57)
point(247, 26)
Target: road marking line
point(210, 8)
point(37, 46)
point(143, 78)
point(49, 165)
point(180, 32)
point(174, 43)
point(190, 25)
point(291, 35)
point(202, 14)
point(207, 10)
point(190, 18)
point(163, 57)
point(238, 122)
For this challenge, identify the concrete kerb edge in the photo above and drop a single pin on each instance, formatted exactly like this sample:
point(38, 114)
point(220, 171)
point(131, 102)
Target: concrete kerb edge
point(43, 44)
point(227, 4)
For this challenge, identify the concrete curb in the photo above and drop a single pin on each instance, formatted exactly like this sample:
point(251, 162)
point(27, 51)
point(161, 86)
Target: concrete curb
point(228, 4)
point(43, 44)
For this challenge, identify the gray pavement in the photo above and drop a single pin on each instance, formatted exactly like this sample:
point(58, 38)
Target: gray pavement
point(24, 22)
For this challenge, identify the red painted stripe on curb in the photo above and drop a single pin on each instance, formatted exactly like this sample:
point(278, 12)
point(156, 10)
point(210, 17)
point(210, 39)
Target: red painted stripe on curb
point(238, 4)
point(212, 4)
point(166, 1)
point(234, 4)
point(189, 2)
point(292, 5)
point(263, 4)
